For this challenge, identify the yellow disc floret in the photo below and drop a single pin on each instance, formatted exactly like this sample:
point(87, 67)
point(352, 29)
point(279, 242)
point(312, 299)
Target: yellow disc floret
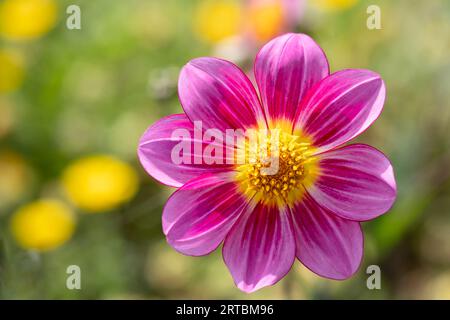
point(277, 167)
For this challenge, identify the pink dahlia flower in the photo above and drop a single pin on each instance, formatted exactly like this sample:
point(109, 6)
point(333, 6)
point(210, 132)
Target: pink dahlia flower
point(311, 207)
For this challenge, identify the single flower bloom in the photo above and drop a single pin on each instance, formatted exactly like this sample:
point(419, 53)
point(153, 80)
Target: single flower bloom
point(311, 207)
point(27, 19)
point(43, 225)
point(99, 183)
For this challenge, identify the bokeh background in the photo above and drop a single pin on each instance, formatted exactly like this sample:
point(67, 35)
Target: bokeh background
point(73, 104)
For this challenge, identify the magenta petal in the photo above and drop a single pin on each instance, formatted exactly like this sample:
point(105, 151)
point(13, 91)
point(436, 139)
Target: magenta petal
point(340, 107)
point(326, 244)
point(155, 152)
point(198, 216)
point(356, 182)
point(285, 69)
point(219, 94)
point(260, 249)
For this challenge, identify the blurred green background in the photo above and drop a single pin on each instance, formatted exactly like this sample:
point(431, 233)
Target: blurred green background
point(73, 104)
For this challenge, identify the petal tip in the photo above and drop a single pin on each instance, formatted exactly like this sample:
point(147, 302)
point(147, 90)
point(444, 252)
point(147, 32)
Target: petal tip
point(253, 287)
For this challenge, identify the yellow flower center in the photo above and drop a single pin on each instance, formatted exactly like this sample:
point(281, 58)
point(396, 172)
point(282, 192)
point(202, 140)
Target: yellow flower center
point(278, 165)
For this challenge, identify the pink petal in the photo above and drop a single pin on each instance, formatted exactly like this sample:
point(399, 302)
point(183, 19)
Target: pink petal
point(326, 244)
point(340, 107)
point(198, 216)
point(219, 94)
point(285, 69)
point(356, 182)
point(155, 152)
point(260, 249)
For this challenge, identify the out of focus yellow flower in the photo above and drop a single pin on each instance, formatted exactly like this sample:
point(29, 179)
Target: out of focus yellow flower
point(6, 117)
point(333, 5)
point(11, 71)
point(265, 19)
point(26, 19)
point(43, 225)
point(99, 183)
point(15, 177)
point(217, 20)
point(256, 21)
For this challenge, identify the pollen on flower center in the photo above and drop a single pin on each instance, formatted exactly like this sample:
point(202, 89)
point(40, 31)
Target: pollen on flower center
point(277, 167)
